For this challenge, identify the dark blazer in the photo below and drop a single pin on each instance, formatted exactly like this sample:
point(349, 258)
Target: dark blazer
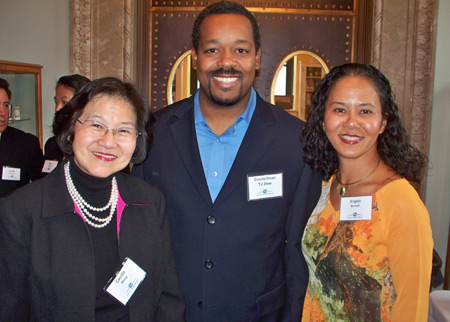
point(237, 260)
point(52, 150)
point(19, 150)
point(47, 270)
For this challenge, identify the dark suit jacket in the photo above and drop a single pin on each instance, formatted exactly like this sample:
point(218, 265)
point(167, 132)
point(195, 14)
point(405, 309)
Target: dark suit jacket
point(19, 150)
point(47, 267)
point(52, 150)
point(233, 261)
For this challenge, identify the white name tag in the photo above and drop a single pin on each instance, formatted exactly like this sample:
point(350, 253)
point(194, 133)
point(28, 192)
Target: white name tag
point(11, 174)
point(356, 208)
point(264, 186)
point(49, 166)
point(126, 281)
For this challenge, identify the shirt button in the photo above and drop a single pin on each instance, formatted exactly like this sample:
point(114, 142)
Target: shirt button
point(209, 264)
point(200, 305)
point(214, 173)
point(211, 220)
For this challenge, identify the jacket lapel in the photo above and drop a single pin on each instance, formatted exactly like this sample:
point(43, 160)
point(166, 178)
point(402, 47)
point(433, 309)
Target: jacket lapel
point(182, 127)
point(254, 145)
point(56, 200)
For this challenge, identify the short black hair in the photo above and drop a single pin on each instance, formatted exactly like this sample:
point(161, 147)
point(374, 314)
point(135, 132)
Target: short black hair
point(393, 144)
point(225, 7)
point(65, 118)
point(74, 81)
point(5, 85)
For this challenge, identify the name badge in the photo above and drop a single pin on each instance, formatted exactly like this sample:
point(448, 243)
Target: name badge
point(49, 166)
point(356, 208)
point(126, 281)
point(10, 174)
point(264, 186)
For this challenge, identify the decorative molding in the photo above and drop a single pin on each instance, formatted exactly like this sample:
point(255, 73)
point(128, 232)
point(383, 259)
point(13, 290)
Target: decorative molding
point(128, 31)
point(422, 82)
point(143, 52)
point(266, 4)
point(376, 33)
point(80, 35)
point(103, 38)
point(404, 41)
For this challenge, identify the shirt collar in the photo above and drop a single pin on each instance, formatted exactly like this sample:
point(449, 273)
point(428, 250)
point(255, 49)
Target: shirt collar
point(245, 116)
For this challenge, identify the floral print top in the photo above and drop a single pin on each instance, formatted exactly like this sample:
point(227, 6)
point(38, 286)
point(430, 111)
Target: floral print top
point(369, 270)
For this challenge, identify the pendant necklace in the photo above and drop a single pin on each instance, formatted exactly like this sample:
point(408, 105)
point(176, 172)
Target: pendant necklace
point(343, 190)
point(83, 206)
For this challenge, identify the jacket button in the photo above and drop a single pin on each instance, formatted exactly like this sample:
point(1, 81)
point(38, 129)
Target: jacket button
point(211, 220)
point(209, 264)
point(200, 305)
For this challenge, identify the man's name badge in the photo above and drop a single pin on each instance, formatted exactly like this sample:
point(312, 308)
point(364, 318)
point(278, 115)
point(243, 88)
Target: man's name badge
point(10, 174)
point(264, 186)
point(49, 166)
point(356, 208)
point(126, 281)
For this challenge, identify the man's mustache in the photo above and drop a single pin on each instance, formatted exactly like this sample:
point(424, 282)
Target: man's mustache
point(225, 71)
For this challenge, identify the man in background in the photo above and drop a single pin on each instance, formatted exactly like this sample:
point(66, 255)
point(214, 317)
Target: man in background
point(238, 192)
point(21, 157)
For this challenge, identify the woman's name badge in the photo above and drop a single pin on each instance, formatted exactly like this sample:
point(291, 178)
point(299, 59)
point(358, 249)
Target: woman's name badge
point(264, 186)
point(49, 166)
point(356, 208)
point(126, 281)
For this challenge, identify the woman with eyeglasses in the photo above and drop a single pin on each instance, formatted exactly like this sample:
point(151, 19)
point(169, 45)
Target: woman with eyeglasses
point(89, 242)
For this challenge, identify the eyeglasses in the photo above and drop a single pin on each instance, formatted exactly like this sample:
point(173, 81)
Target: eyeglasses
point(7, 105)
point(121, 134)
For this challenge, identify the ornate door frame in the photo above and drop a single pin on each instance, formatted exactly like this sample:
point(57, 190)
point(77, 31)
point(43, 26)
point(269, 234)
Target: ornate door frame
point(111, 37)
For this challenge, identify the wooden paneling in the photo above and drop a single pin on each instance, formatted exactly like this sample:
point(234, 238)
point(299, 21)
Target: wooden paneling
point(326, 28)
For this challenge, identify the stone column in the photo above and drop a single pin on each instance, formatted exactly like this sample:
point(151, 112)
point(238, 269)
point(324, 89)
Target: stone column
point(102, 38)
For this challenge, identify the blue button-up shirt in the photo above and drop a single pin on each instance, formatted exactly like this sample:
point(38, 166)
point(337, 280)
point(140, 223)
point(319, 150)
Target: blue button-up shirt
point(218, 152)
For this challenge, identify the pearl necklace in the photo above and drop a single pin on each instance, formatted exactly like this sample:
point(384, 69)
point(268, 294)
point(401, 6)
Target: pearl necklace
point(84, 206)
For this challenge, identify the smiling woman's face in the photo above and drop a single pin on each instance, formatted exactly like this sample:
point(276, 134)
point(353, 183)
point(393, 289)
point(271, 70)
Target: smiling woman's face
point(101, 156)
point(353, 118)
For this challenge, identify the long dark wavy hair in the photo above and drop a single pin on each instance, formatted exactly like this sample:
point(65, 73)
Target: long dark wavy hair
point(393, 144)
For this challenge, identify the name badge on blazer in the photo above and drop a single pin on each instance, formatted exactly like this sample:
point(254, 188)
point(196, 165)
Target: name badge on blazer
point(264, 185)
point(126, 281)
point(10, 174)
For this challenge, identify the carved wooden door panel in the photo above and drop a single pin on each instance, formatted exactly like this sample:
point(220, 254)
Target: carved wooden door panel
point(325, 28)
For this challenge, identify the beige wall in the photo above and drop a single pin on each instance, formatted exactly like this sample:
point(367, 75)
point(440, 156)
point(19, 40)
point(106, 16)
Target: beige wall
point(438, 186)
point(37, 32)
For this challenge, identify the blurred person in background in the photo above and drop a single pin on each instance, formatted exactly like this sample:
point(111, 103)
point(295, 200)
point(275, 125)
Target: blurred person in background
point(65, 89)
point(21, 157)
